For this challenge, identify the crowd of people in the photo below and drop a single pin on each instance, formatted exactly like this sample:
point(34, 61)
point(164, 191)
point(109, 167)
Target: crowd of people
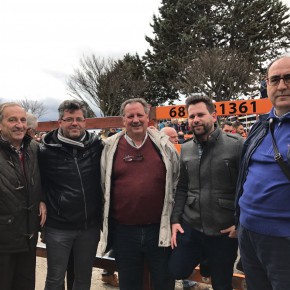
point(174, 211)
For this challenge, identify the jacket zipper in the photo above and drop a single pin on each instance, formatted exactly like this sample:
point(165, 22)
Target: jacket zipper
point(83, 192)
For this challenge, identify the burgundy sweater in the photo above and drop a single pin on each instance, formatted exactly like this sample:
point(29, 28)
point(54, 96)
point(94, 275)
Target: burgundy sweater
point(138, 187)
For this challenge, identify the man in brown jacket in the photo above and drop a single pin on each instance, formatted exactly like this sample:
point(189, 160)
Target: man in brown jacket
point(21, 210)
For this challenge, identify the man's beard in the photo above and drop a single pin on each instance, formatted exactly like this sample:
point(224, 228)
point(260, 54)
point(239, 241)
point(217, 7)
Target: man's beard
point(206, 128)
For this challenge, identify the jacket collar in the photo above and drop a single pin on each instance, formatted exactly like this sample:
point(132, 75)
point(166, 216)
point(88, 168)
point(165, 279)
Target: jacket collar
point(212, 136)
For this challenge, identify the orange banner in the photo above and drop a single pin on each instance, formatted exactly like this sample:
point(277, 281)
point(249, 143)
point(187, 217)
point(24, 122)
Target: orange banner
point(227, 108)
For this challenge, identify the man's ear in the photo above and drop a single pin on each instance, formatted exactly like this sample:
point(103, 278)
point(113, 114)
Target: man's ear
point(214, 116)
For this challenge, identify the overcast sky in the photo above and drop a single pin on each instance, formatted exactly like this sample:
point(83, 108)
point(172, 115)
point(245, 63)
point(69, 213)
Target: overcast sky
point(42, 41)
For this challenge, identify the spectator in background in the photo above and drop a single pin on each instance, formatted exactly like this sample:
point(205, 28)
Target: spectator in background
point(238, 128)
point(161, 125)
point(22, 210)
point(31, 125)
point(171, 133)
point(227, 127)
point(175, 125)
point(263, 88)
point(180, 137)
point(182, 127)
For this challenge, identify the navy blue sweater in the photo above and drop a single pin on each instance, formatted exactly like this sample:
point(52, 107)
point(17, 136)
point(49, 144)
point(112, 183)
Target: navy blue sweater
point(265, 193)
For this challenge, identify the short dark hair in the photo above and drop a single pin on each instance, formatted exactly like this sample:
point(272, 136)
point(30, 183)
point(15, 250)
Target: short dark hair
point(71, 106)
point(229, 123)
point(236, 124)
point(192, 100)
point(134, 100)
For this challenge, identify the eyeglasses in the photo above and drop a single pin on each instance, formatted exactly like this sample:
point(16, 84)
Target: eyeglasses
point(129, 158)
point(72, 120)
point(275, 80)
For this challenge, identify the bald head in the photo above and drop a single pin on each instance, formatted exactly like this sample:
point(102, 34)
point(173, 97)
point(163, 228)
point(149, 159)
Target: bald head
point(171, 133)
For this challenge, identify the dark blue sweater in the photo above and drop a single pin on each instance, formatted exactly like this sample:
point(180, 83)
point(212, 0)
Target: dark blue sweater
point(265, 201)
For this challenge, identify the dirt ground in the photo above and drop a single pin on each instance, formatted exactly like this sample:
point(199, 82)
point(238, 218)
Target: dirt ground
point(97, 284)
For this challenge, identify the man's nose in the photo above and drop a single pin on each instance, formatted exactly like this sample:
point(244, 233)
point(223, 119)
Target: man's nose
point(19, 123)
point(196, 119)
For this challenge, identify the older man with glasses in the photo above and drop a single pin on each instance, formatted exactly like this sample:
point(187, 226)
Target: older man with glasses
point(139, 173)
point(70, 170)
point(263, 203)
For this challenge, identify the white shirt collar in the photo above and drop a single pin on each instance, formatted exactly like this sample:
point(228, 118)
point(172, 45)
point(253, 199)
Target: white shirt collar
point(132, 143)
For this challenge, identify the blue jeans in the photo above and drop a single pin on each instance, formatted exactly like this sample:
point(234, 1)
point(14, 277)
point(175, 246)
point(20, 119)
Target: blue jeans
point(132, 246)
point(220, 251)
point(265, 259)
point(59, 244)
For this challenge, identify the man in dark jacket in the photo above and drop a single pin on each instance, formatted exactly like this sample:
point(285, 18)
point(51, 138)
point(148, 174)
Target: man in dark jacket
point(20, 196)
point(70, 170)
point(203, 214)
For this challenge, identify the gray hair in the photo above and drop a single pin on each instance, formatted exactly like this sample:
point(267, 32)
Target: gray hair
point(5, 105)
point(71, 106)
point(134, 100)
point(31, 121)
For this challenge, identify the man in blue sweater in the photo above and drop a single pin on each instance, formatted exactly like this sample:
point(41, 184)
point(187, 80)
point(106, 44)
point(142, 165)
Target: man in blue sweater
point(263, 202)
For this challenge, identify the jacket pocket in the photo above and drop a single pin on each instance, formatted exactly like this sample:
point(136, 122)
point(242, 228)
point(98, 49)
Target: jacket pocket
point(190, 202)
point(6, 220)
point(226, 203)
point(232, 171)
point(8, 231)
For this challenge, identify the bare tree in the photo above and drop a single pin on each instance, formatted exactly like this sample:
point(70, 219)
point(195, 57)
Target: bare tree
point(84, 83)
point(223, 74)
point(106, 83)
point(36, 108)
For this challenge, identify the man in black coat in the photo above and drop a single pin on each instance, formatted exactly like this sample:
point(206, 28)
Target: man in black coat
point(70, 170)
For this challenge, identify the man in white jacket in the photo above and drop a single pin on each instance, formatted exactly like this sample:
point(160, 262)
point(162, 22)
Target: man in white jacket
point(139, 172)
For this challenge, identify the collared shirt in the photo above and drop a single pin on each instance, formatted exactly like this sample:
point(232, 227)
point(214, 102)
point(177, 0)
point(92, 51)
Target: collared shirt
point(18, 151)
point(132, 143)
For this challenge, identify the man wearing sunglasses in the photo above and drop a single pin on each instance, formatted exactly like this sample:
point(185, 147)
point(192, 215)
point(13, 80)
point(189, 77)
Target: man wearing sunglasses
point(139, 173)
point(70, 170)
point(263, 203)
